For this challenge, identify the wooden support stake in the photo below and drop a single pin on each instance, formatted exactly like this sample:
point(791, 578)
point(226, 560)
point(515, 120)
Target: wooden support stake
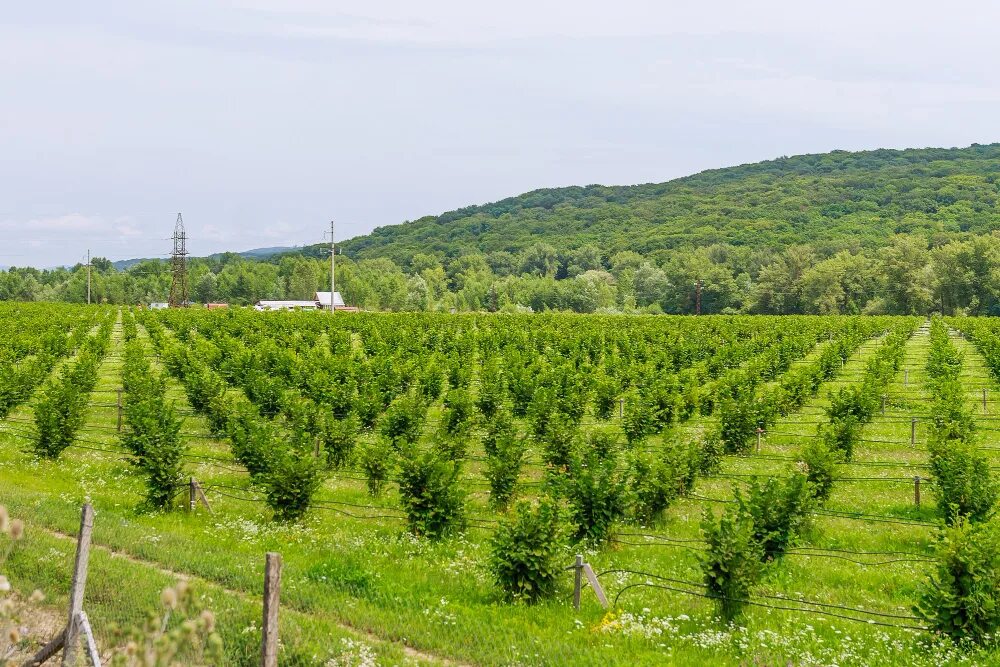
point(119, 410)
point(595, 584)
point(916, 491)
point(913, 431)
point(202, 497)
point(46, 651)
point(79, 585)
point(272, 595)
point(192, 495)
point(88, 635)
point(578, 581)
point(760, 431)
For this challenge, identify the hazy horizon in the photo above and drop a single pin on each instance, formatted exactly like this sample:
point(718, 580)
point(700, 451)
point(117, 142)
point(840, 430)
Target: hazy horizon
point(260, 121)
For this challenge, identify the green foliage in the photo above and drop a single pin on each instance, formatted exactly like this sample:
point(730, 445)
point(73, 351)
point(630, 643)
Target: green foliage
point(402, 422)
point(779, 511)
point(640, 418)
point(820, 461)
point(291, 483)
point(377, 459)
point(597, 492)
point(525, 551)
point(457, 413)
point(961, 596)
point(961, 477)
point(429, 493)
point(732, 562)
point(658, 478)
point(503, 467)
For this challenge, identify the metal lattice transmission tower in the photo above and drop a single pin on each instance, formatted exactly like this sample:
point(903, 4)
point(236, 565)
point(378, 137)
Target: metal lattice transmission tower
point(178, 264)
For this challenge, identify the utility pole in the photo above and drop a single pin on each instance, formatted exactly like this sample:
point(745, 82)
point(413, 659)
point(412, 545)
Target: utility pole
point(178, 263)
point(333, 270)
point(697, 297)
point(88, 277)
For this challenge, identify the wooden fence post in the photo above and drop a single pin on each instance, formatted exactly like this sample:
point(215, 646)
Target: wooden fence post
point(272, 595)
point(578, 582)
point(78, 586)
point(913, 431)
point(760, 432)
point(916, 490)
point(192, 495)
point(119, 410)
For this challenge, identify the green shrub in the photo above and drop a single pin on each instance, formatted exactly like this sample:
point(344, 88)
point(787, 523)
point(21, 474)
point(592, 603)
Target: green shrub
point(962, 480)
point(640, 418)
point(429, 493)
point(961, 596)
point(820, 463)
point(339, 436)
point(525, 551)
point(598, 497)
point(252, 438)
point(291, 483)
point(605, 397)
point(841, 435)
point(458, 410)
point(779, 510)
point(732, 562)
point(404, 419)
point(560, 441)
point(503, 467)
point(376, 459)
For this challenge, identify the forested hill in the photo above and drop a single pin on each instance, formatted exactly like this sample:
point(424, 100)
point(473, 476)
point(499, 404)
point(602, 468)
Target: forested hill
point(838, 199)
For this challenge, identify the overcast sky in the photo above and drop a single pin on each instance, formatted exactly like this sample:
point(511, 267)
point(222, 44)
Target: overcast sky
point(261, 120)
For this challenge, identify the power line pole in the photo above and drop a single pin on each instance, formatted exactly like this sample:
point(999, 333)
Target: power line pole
point(88, 277)
point(333, 270)
point(178, 261)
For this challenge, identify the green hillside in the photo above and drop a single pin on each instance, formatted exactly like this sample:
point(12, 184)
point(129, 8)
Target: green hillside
point(838, 199)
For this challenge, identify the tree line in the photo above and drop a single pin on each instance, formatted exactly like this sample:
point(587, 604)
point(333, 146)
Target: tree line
point(910, 275)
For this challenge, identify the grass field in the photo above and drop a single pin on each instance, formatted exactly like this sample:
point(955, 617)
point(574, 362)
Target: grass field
point(360, 589)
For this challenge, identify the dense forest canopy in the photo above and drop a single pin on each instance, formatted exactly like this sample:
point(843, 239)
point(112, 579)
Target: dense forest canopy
point(883, 231)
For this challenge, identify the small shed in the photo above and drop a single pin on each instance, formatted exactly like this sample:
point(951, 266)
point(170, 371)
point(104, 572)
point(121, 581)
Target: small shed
point(323, 300)
point(285, 305)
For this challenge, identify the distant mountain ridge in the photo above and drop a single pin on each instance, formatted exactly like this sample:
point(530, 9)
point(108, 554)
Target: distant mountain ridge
point(254, 253)
point(860, 198)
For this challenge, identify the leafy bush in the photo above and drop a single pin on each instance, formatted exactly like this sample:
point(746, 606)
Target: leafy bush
point(962, 480)
point(732, 563)
point(779, 510)
point(429, 493)
point(605, 397)
point(457, 413)
point(598, 497)
point(376, 459)
point(640, 418)
point(961, 597)
point(819, 461)
point(291, 483)
point(253, 440)
point(841, 435)
point(560, 441)
point(503, 467)
point(404, 419)
point(657, 479)
point(339, 436)
point(525, 550)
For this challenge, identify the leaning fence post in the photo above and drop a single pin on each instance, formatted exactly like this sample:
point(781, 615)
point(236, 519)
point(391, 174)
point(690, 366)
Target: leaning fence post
point(916, 490)
point(119, 410)
point(272, 594)
point(78, 586)
point(578, 581)
point(913, 431)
